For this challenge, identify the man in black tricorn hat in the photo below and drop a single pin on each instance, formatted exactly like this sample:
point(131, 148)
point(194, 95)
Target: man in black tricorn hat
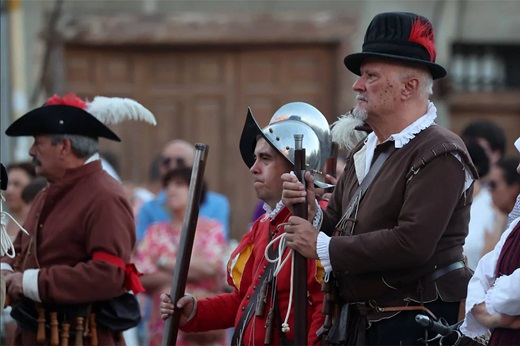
point(81, 231)
point(392, 235)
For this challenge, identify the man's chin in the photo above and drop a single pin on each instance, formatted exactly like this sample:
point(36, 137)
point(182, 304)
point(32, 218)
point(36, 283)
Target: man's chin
point(359, 113)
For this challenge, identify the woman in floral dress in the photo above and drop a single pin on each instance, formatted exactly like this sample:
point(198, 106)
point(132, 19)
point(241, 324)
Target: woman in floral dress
point(157, 252)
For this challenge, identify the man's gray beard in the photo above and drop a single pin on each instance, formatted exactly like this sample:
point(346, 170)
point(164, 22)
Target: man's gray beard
point(360, 114)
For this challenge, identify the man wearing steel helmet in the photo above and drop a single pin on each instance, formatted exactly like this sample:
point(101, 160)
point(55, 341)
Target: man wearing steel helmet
point(394, 246)
point(268, 153)
point(81, 232)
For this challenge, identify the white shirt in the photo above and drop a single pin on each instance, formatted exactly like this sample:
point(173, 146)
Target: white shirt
point(500, 295)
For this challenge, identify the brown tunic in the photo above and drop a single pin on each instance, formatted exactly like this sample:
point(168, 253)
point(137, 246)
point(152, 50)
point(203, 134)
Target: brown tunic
point(85, 212)
point(404, 230)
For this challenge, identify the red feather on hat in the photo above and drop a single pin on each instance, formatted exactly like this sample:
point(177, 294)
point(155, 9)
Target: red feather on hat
point(67, 100)
point(422, 33)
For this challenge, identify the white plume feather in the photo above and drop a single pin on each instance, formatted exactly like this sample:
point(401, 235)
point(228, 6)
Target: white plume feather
point(344, 131)
point(113, 110)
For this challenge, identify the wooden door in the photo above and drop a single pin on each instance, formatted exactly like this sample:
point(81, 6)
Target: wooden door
point(202, 95)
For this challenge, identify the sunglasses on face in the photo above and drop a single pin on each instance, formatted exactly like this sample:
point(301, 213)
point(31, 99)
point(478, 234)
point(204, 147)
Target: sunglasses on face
point(492, 185)
point(179, 162)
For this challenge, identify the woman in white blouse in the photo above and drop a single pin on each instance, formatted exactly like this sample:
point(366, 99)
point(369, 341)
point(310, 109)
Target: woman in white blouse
point(493, 302)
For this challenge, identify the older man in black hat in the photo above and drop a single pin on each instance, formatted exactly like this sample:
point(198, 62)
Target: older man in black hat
point(81, 232)
point(393, 232)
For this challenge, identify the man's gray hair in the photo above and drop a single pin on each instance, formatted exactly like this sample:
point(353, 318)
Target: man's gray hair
point(425, 80)
point(83, 147)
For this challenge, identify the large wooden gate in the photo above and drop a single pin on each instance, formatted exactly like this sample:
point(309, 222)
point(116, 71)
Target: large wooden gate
point(202, 95)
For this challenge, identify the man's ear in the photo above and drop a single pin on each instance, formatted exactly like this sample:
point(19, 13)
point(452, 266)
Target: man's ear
point(66, 147)
point(410, 87)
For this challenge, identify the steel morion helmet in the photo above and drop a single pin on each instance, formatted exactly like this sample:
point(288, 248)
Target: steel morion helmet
point(292, 118)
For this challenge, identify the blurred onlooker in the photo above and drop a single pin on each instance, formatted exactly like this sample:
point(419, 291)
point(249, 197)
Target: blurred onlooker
point(486, 222)
point(486, 143)
point(504, 183)
point(175, 154)
point(137, 195)
point(516, 209)
point(32, 189)
point(20, 175)
point(157, 252)
point(490, 136)
point(23, 186)
point(180, 153)
point(154, 183)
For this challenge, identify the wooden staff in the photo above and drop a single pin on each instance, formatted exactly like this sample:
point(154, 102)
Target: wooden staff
point(180, 273)
point(300, 262)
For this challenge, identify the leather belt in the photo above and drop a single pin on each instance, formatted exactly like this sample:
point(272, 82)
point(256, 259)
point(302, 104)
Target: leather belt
point(431, 277)
point(443, 271)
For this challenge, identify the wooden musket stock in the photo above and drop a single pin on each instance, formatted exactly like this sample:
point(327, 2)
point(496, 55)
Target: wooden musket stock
point(300, 262)
point(180, 273)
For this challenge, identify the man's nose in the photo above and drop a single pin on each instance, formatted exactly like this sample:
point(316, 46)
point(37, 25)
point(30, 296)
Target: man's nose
point(254, 168)
point(359, 84)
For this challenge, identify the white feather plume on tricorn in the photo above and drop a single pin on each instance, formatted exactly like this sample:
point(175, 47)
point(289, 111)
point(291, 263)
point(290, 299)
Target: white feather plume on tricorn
point(113, 110)
point(344, 131)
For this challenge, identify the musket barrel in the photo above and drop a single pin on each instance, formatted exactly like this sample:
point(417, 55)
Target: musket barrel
point(300, 262)
point(180, 274)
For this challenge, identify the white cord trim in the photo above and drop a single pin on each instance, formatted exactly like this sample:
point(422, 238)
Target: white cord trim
point(6, 247)
point(280, 262)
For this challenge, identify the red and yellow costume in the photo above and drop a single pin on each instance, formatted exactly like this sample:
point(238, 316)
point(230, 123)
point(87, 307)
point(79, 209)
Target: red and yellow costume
point(245, 267)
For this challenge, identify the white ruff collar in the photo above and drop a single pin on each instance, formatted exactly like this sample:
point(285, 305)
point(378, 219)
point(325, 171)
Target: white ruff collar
point(271, 213)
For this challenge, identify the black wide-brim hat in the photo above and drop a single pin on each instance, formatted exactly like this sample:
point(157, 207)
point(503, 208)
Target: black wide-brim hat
point(60, 119)
point(401, 36)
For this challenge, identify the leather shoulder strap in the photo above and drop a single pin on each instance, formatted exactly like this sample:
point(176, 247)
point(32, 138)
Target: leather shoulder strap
point(249, 310)
point(363, 187)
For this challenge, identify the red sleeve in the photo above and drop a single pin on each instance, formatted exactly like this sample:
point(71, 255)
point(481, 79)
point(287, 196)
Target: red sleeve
point(218, 312)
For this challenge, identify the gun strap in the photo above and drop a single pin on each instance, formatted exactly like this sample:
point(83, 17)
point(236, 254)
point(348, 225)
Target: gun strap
point(249, 310)
point(363, 187)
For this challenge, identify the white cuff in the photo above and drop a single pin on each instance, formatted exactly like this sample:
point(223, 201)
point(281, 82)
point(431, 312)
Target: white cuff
point(472, 328)
point(30, 284)
point(6, 266)
point(322, 249)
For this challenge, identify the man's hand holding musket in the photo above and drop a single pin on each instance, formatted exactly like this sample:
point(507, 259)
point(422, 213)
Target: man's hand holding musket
point(301, 235)
point(14, 284)
point(187, 305)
